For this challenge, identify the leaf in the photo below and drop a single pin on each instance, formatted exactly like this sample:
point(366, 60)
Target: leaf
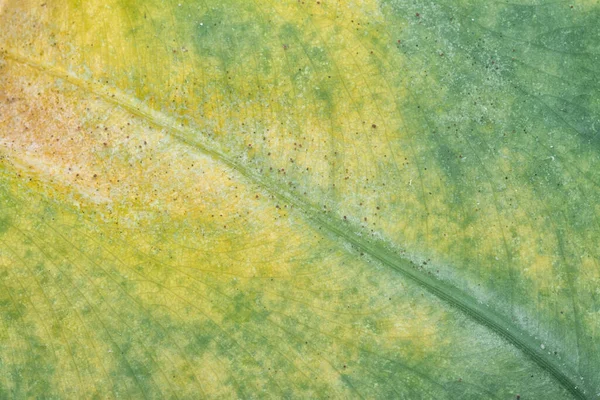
point(375, 199)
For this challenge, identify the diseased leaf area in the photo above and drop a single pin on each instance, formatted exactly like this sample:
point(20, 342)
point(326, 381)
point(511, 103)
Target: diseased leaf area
point(287, 199)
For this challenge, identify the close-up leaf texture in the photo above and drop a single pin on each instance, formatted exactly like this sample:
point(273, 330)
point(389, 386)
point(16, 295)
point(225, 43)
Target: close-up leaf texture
point(378, 199)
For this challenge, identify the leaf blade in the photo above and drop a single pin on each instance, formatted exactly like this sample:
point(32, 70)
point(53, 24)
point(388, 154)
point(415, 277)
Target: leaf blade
point(314, 214)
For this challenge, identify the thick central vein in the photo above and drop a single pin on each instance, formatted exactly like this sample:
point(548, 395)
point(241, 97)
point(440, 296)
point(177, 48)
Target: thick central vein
point(375, 249)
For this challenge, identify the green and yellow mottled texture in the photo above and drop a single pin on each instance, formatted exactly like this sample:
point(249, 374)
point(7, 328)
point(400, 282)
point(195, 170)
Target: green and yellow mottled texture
point(334, 199)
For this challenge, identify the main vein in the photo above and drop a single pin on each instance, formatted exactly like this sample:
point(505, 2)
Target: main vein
point(376, 249)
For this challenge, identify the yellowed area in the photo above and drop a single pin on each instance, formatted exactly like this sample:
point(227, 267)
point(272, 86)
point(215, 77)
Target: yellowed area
point(585, 4)
point(217, 237)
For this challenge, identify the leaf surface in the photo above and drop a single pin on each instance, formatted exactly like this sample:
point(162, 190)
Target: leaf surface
point(376, 199)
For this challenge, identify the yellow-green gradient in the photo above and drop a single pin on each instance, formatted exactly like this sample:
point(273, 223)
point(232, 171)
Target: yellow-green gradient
point(299, 199)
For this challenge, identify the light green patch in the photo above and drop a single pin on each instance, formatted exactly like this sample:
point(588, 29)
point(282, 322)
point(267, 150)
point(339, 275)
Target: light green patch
point(4, 225)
